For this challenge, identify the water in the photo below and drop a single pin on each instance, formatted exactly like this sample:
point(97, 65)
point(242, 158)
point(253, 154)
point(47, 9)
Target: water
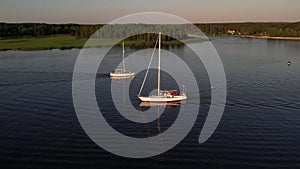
point(259, 128)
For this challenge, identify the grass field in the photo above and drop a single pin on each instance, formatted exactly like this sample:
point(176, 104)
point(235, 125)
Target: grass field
point(63, 42)
point(41, 43)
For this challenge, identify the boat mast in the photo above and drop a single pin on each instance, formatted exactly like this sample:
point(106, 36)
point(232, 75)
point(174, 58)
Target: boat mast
point(123, 57)
point(158, 72)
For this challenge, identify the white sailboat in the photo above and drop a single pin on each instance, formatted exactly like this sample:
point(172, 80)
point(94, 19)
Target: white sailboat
point(162, 95)
point(121, 73)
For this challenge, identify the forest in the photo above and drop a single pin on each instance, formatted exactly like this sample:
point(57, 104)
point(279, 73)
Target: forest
point(273, 29)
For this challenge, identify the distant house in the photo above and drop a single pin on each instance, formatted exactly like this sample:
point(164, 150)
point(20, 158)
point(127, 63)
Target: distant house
point(231, 31)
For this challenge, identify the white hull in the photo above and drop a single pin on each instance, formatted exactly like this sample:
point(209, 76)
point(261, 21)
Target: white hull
point(121, 74)
point(162, 98)
point(150, 104)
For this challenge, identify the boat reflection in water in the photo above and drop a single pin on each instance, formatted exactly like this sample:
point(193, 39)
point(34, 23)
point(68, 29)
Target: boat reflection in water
point(160, 109)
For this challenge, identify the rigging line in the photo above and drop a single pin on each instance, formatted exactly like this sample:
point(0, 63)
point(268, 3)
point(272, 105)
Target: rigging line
point(148, 68)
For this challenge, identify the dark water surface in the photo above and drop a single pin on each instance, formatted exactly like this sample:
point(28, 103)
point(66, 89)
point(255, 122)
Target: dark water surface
point(260, 127)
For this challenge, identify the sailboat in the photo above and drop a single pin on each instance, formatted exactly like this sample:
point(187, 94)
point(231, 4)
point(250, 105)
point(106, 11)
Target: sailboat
point(119, 73)
point(162, 95)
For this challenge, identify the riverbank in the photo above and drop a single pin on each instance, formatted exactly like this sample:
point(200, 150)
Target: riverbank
point(69, 42)
point(270, 37)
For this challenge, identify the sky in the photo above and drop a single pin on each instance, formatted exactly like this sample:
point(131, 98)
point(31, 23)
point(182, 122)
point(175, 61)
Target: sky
point(104, 11)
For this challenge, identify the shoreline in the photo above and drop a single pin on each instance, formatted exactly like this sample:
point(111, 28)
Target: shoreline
point(65, 42)
point(271, 37)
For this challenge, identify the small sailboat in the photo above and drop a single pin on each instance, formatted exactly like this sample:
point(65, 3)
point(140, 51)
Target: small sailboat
point(121, 73)
point(162, 95)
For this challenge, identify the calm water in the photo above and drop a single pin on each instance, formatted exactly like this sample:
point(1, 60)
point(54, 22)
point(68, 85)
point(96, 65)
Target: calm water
point(260, 127)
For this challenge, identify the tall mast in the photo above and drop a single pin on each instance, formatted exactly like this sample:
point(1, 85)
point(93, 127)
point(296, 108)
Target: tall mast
point(123, 57)
point(158, 72)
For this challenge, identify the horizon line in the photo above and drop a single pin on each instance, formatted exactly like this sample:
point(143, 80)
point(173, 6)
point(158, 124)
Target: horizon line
point(66, 23)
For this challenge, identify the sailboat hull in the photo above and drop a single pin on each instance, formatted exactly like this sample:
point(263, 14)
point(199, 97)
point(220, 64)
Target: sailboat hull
point(114, 74)
point(162, 98)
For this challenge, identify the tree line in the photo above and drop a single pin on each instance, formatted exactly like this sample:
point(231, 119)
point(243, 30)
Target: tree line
point(273, 29)
point(36, 29)
point(284, 29)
